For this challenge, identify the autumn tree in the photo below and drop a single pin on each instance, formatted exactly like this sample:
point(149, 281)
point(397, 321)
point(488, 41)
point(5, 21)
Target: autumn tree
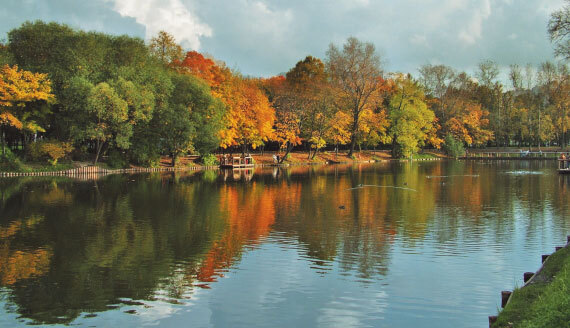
point(205, 68)
point(460, 114)
point(249, 118)
point(288, 119)
point(164, 47)
point(303, 103)
point(559, 30)
point(355, 71)
point(468, 122)
point(338, 130)
point(19, 88)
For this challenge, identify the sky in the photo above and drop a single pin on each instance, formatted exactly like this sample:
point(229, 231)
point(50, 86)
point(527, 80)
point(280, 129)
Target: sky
point(267, 37)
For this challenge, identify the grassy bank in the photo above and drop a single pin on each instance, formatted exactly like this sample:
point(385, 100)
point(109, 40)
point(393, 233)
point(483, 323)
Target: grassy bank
point(545, 301)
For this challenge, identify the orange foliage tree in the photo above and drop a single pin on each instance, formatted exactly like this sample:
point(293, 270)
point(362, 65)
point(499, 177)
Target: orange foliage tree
point(287, 121)
point(467, 123)
point(250, 117)
point(205, 68)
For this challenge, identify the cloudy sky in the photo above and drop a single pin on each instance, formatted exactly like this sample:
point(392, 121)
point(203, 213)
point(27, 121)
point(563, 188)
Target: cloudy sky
point(267, 37)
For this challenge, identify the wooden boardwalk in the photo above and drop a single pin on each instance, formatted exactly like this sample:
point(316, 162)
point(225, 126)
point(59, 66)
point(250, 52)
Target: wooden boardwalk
point(514, 155)
point(95, 172)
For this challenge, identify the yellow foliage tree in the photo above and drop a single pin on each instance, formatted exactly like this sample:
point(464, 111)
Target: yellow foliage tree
point(17, 88)
point(338, 131)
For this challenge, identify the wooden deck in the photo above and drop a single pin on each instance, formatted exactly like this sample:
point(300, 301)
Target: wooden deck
point(564, 166)
point(236, 162)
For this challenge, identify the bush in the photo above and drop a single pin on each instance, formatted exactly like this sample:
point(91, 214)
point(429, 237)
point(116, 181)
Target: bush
point(209, 160)
point(453, 147)
point(116, 160)
point(50, 150)
point(145, 154)
point(11, 163)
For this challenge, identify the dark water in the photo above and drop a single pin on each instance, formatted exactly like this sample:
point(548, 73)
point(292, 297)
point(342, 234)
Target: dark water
point(424, 244)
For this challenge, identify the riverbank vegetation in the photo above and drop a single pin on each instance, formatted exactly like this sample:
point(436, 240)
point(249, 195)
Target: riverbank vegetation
point(545, 301)
point(86, 95)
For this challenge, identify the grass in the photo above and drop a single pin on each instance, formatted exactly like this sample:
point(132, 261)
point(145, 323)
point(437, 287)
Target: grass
point(41, 167)
point(18, 166)
point(545, 302)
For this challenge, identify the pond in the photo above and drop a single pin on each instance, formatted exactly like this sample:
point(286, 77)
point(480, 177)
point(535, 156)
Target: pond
point(396, 244)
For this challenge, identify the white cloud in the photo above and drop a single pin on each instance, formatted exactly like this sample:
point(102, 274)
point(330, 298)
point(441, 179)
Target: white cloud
point(472, 32)
point(171, 16)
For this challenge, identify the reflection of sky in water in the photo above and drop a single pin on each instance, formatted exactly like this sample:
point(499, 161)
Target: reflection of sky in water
point(438, 257)
point(308, 298)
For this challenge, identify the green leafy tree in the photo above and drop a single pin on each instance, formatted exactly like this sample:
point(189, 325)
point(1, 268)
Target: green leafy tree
point(104, 119)
point(453, 147)
point(413, 123)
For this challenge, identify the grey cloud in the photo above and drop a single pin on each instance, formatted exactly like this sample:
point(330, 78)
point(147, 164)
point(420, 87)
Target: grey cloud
point(266, 37)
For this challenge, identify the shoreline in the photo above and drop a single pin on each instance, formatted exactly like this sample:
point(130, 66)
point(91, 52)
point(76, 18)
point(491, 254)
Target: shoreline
point(524, 303)
point(96, 170)
point(189, 163)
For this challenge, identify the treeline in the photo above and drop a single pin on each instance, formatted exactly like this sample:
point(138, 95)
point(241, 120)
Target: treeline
point(89, 93)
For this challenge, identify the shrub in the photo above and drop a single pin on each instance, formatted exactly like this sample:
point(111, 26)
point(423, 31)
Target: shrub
point(145, 153)
point(209, 160)
point(9, 162)
point(116, 160)
point(453, 147)
point(50, 150)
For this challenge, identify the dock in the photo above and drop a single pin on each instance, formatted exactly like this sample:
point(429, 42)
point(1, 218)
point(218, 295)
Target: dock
point(236, 162)
point(564, 166)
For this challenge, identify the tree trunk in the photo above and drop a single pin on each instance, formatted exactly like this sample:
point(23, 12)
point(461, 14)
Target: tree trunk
point(98, 146)
point(352, 145)
point(3, 142)
point(287, 151)
point(174, 157)
point(354, 131)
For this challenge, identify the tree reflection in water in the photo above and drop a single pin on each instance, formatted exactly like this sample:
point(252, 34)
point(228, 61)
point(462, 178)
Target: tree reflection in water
point(69, 247)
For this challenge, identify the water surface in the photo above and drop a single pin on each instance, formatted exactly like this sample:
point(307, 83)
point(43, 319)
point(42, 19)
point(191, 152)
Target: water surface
point(427, 244)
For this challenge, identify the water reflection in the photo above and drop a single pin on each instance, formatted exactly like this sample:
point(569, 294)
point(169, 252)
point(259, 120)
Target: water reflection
point(126, 241)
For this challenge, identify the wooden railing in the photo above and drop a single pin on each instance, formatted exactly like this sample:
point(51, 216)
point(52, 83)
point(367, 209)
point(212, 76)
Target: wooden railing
point(96, 172)
point(514, 155)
